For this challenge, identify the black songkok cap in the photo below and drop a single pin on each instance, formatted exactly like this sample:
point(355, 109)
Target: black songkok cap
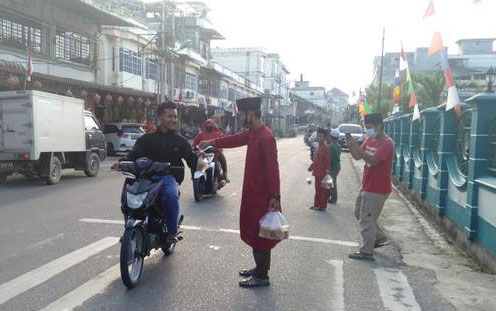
point(374, 118)
point(249, 104)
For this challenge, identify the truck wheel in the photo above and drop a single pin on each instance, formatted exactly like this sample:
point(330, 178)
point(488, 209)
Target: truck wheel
point(92, 166)
point(54, 172)
point(110, 150)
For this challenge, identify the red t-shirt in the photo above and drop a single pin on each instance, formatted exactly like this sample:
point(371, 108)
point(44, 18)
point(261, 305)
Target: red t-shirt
point(377, 179)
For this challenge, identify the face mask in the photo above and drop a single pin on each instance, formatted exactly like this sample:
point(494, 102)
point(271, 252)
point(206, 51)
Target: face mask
point(371, 133)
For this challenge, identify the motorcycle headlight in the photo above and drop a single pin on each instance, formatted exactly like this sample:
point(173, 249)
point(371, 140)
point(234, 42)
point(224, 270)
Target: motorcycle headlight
point(134, 201)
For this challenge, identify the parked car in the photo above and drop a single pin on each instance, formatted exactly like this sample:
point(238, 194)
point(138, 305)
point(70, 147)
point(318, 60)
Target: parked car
point(121, 137)
point(43, 133)
point(355, 130)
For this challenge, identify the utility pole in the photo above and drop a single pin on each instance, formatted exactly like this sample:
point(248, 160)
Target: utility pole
point(171, 51)
point(380, 73)
point(162, 55)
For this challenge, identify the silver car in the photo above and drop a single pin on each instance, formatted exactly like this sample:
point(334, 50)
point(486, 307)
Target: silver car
point(355, 130)
point(121, 137)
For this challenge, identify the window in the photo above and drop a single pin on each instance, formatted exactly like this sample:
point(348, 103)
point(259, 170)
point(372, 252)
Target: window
point(129, 61)
point(20, 35)
point(151, 69)
point(134, 129)
point(190, 82)
point(240, 95)
point(110, 129)
point(231, 94)
point(352, 129)
point(90, 124)
point(73, 47)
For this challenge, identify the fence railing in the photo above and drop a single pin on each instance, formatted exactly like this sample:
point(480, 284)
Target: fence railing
point(449, 160)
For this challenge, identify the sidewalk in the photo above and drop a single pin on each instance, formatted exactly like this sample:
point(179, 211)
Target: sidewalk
point(422, 245)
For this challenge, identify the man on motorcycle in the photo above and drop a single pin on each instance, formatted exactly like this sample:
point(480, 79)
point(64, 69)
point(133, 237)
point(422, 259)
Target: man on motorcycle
point(212, 131)
point(166, 145)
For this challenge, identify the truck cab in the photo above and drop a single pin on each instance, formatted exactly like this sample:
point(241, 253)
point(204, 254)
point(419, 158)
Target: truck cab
point(95, 139)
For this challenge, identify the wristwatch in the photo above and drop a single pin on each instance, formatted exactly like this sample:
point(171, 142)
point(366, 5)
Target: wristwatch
point(277, 197)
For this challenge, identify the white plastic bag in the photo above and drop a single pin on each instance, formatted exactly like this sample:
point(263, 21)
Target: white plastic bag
point(327, 182)
point(274, 226)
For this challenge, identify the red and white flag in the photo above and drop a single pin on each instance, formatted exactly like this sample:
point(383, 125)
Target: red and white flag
point(430, 10)
point(29, 65)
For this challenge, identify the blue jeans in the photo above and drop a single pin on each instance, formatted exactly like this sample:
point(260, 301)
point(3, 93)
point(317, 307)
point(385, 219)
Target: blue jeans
point(170, 202)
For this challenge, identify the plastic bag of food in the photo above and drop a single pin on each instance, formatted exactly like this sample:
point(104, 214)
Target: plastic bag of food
point(327, 182)
point(274, 226)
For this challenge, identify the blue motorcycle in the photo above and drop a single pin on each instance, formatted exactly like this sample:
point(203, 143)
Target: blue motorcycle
point(145, 223)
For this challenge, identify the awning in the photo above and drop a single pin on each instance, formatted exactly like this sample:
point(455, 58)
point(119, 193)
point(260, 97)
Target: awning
point(99, 15)
point(11, 66)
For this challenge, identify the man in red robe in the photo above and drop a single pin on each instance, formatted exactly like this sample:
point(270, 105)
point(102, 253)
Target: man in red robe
point(320, 168)
point(261, 185)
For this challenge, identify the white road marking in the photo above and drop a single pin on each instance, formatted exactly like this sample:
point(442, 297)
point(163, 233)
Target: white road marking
point(325, 241)
point(229, 231)
point(291, 237)
point(102, 221)
point(93, 287)
point(338, 285)
point(89, 289)
point(215, 247)
point(396, 293)
point(42, 274)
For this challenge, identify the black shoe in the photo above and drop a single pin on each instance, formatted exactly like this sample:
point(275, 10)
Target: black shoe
point(252, 282)
point(333, 201)
point(383, 243)
point(247, 273)
point(361, 256)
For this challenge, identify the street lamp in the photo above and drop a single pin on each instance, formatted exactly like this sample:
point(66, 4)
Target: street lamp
point(491, 73)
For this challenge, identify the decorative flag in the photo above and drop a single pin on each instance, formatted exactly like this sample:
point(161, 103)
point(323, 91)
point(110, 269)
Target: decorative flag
point(436, 43)
point(416, 113)
point(477, 1)
point(363, 106)
point(396, 89)
point(430, 10)
point(29, 65)
point(453, 99)
point(413, 98)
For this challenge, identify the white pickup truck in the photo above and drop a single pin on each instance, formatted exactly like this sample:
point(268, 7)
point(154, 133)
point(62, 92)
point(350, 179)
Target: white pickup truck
point(43, 133)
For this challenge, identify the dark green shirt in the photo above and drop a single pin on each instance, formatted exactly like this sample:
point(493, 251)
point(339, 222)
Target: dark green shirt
point(335, 151)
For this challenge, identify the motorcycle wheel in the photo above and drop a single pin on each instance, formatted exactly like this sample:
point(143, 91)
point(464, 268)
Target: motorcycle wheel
point(131, 261)
point(199, 189)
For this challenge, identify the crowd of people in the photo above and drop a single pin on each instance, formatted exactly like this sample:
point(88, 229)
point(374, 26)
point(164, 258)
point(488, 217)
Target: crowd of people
point(377, 153)
point(261, 185)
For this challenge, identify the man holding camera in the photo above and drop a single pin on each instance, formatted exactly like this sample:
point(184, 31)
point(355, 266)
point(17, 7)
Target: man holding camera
point(377, 151)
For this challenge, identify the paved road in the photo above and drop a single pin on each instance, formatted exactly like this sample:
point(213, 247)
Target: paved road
point(59, 250)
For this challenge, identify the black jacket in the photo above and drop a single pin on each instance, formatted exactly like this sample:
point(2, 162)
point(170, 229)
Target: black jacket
point(170, 147)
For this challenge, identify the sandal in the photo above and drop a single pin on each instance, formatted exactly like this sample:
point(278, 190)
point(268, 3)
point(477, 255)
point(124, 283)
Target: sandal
point(252, 282)
point(247, 273)
point(313, 207)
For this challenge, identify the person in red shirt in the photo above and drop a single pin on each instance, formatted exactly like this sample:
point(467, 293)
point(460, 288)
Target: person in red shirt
point(261, 185)
point(377, 151)
point(320, 167)
point(210, 130)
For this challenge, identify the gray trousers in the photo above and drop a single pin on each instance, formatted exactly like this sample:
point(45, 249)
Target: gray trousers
point(368, 208)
